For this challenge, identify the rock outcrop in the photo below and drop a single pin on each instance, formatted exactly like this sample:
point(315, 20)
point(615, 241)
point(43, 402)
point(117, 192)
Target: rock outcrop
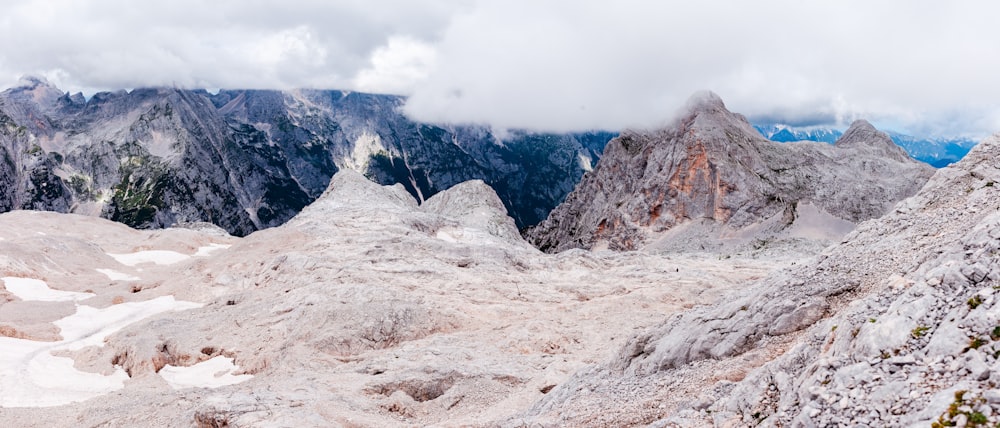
point(899, 348)
point(247, 160)
point(710, 178)
point(476, 207)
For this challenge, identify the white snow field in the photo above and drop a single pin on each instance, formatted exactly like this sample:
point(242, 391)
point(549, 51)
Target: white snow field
point(211, 373)
point(117, 276)
point(159, 257)
point(28, 289)
point(209, 249)
point(31, 376)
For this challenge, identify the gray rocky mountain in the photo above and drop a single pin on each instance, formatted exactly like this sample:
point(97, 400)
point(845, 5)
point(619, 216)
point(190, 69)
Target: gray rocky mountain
point(246, 160)
point(895, 326)
point(710, 180)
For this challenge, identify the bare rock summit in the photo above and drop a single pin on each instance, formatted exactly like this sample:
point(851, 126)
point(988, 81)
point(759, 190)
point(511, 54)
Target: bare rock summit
point(709, 180)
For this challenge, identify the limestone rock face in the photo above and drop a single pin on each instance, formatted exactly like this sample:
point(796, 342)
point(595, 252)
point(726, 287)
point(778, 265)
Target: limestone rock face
point(27, 175)
point(711, 169)
point(248, 160)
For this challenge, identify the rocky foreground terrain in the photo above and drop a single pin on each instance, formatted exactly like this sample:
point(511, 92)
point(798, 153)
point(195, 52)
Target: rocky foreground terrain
point(366, 309)
point(897, 325)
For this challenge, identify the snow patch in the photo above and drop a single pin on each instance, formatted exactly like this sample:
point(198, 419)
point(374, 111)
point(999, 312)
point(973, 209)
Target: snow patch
point(117, 276)
point(586, 162)
point(212, 373)
point(89, 326)
point(465, 235)
point(365, 147)
point(30, 376)
point(161, 145)
point(208, 250)
point(28, 289)
point(160, 257)
point(813, 222)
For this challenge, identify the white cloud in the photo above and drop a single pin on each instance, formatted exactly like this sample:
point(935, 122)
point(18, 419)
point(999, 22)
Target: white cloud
point(110, 44)
point(928, 66)
point(398, 67)
point(630, 63)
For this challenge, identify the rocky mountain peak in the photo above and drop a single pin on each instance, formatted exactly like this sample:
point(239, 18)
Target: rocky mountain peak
point(472, 195)
point(32, 82)
point(475, 205)
point(705, 111)
point(350, 188)
point(710, 174)
point(862, 134)
point(37, 90)
point(704, 101)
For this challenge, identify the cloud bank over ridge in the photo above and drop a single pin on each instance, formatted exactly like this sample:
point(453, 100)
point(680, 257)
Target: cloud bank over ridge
point(919, 66)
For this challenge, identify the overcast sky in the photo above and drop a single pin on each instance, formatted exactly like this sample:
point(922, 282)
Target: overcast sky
point(924, 67)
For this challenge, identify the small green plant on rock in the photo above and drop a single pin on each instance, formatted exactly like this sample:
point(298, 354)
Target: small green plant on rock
point(973, 418)
point(919, 331)
point(975, 301)
point(975, 343)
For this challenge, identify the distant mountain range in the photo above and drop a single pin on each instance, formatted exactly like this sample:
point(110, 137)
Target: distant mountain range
point(251, 159)
point(938, 152)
